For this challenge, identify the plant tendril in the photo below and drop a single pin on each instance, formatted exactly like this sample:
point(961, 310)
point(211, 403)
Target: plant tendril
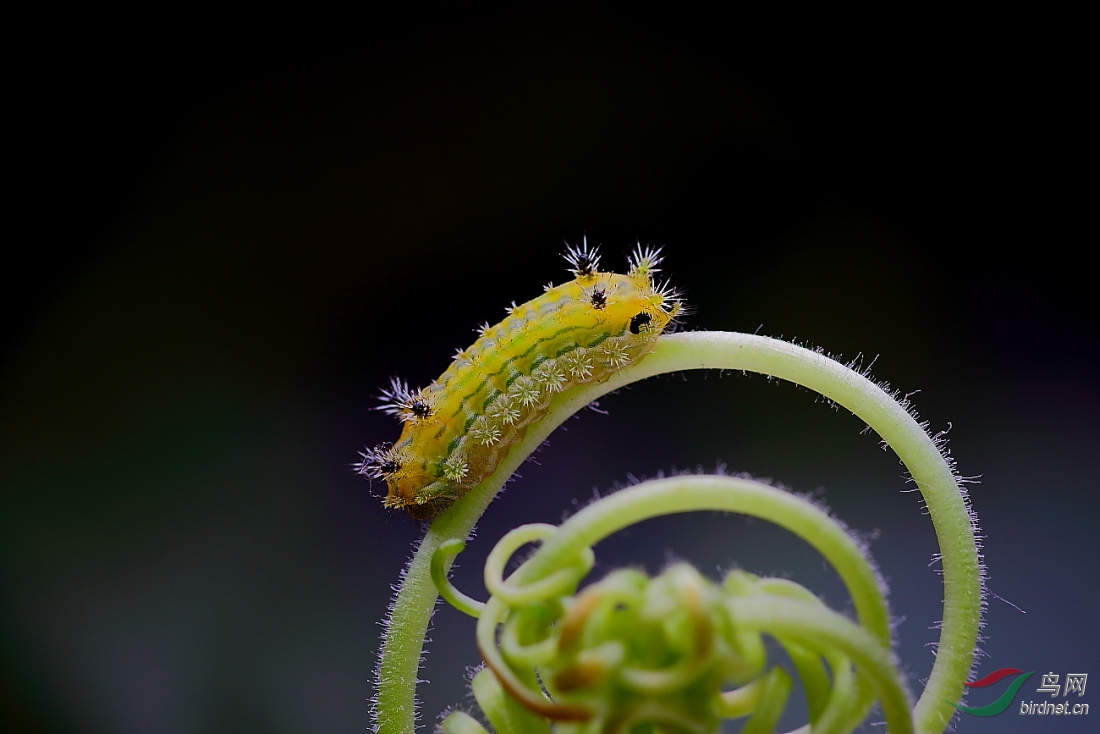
point(553, 655)
point(678, 650)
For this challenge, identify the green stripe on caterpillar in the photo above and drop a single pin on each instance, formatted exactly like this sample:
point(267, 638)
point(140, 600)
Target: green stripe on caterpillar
point(458, 429)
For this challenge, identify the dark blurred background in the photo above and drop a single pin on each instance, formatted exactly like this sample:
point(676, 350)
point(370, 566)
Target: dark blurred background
point(232, 239)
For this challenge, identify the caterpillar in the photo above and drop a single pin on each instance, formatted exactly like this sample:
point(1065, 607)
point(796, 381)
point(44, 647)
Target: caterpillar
point(458, 429)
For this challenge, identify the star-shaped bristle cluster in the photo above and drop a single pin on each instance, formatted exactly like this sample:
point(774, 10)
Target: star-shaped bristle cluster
point(405, 403)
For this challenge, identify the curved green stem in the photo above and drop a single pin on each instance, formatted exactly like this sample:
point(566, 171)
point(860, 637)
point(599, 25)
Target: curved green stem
point(442, 559)
point(728, 494)
point(413, 606)
point(691, 493)
point(822, 629)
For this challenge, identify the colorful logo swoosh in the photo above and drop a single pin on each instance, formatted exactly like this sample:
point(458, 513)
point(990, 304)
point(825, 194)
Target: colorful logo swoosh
point(1005, 699)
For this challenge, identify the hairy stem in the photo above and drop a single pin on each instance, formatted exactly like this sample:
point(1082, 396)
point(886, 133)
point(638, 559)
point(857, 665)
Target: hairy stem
point(413, 606)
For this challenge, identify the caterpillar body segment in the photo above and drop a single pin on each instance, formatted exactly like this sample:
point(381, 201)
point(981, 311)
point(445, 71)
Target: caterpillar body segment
point(458, 429)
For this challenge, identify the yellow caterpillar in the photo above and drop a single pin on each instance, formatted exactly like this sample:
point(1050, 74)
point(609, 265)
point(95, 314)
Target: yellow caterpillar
point(459, 428)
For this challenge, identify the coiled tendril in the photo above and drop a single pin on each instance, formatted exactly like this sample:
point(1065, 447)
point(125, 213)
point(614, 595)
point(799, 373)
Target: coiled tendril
point(679, 653)
point(676, 653)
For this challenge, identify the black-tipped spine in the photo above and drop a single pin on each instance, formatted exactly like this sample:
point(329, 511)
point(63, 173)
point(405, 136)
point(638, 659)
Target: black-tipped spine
point(584, 261)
